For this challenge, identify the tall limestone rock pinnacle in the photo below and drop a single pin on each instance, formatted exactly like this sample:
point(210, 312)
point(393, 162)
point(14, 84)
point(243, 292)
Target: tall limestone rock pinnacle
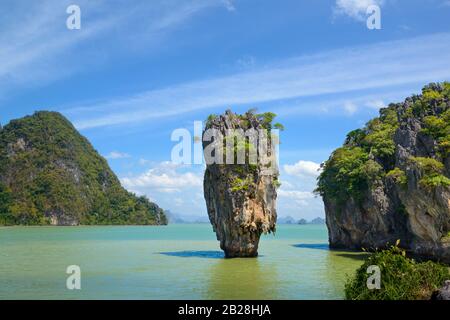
point(241, 179)
point(391, 180)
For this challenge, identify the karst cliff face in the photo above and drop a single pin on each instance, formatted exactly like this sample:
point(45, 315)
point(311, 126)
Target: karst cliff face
point(390, 180)
point(51, 175)
point(240, 198)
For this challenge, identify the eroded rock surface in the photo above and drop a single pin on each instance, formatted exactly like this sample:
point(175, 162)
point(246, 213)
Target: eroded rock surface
point(390, 180)
point(443, 293)
point(240, 198)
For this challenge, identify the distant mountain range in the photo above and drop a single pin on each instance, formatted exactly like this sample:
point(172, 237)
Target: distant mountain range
point(291, 220)
point(178, 218)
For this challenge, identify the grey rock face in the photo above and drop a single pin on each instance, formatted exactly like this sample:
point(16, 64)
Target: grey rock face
point(240, 198)
point(418, 216)
point(443, 293)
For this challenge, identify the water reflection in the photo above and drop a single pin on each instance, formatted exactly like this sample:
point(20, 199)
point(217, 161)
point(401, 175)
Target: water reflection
point(341, 265)
point(242, 278)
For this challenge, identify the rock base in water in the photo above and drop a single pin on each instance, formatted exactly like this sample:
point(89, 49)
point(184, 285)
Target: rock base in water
point(240, 198)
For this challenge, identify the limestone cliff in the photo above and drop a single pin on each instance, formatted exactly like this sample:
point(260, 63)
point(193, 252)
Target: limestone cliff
point(390, 180)
point(240, 197)
point(51, 175)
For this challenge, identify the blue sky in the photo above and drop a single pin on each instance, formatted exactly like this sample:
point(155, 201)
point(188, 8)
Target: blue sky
point(137, 70)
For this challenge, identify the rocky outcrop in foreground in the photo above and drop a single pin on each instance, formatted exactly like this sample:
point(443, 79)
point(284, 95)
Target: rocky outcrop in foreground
point(390, 180)
point(240, 198)
point(51, 175)
point(443, 293)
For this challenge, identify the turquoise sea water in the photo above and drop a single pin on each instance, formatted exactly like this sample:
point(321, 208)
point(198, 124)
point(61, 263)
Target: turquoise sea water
point(170, 262)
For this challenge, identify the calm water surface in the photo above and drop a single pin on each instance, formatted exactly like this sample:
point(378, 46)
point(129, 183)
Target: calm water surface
point(172, 262)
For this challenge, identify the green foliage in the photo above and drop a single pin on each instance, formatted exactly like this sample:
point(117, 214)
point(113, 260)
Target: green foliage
point(368, 154)
point(276, 182)
point(242, 148)
point(432, 172)
point(380, 132)
point(438, 180)
point(210, 118)
point(428, 165)
point(346, 174)
point(446, 89)
point(278, 126)
point(353, 168)
point(439, 129)
point(398, 175)
point(401, 278)
point(5, 203)
point(54, 171)
point(238, 184)
point(355, 137)
point(429, 95)
point(266, 119)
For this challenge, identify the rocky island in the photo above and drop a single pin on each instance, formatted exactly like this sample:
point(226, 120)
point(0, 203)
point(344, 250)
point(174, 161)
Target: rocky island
point(240, 193)
point(390, 180)
point(51, 175)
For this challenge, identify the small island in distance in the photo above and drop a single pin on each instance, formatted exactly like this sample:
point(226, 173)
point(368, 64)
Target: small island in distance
point(291, 220)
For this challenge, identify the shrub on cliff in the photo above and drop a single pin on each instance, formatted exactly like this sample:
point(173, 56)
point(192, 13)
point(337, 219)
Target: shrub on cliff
point(432, 171)
point(368, 154)
point(402, 278)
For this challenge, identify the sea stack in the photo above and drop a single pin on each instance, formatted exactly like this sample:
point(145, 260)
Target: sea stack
point(241, 179)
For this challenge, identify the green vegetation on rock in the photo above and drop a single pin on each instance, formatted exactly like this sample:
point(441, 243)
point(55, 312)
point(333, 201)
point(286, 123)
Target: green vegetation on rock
point(50, 174)
point(240, 146)
point(368, 154)
point(432, 171)
point(398, 175)
point(401, 278)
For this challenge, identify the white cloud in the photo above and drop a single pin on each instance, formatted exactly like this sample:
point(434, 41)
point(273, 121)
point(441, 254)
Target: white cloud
point(350, 108)
point(174, 187)
point(296, 197)
point(300, 197)
point(144, 162)
point(36, 46)
point(303, 168)
point(384, 65)
point(165, 177)
point(355, 8)
point(229, 5)
point(117, 155)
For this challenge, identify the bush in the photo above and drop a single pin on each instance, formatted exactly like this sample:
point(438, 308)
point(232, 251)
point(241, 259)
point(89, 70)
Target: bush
point(432, 172)
point(439, 129)
point(428, 165)
point(398, 175)
point(430, 95)
point(380, 132)
point(238, 184)
point(401, 278)
point(344, 175)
